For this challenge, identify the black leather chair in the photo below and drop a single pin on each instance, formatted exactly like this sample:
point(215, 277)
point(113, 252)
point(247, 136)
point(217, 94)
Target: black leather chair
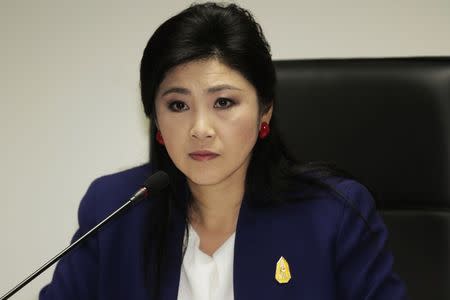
point(386, 121)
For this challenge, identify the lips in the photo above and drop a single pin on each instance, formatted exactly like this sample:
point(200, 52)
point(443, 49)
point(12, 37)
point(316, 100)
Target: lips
point(203, 155)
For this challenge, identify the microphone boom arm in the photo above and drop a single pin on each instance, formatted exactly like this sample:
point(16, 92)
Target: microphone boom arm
point(70, 247)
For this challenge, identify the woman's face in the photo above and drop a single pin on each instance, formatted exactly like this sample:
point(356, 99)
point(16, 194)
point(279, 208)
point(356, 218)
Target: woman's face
point(202, 107)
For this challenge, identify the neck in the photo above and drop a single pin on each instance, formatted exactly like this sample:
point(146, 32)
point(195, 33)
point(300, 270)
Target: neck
point(216, 207)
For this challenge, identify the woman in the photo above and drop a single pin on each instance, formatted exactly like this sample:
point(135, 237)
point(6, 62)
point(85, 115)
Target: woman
point(241, 219)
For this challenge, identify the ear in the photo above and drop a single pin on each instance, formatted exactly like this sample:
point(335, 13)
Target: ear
point(267, 115)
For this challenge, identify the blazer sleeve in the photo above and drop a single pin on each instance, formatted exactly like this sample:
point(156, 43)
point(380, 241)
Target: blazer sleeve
point(363, 262)
point(75, 276)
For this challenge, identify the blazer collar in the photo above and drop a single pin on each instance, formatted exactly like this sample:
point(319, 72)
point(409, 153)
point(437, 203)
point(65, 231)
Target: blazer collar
point(254, 262)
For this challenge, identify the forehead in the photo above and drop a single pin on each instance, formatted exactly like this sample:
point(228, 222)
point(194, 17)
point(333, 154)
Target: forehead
point(206, 72)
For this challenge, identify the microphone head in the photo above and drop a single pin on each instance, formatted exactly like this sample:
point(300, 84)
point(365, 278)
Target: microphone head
point(157, 182)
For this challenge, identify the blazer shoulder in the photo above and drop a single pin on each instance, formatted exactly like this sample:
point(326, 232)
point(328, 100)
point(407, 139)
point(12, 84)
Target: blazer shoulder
point(106, 193)
point(125, 179)
point(335, 190)
point(353, 194)
point(333, 197)
point(348, 191)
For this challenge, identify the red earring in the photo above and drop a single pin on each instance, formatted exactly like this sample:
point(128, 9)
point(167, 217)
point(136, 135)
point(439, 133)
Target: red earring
point(159, 138)
point(264, 131)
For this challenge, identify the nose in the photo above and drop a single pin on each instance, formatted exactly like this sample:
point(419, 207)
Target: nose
point(202, 127)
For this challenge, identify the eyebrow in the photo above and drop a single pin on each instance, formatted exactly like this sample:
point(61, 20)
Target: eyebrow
point(210, 90)
point(222, 87)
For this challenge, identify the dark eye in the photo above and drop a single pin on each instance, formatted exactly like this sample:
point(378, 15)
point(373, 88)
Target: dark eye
point(177, 106)
point(223, 103)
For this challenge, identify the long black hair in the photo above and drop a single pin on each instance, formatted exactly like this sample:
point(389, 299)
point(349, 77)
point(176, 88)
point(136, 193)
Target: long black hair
point(230, 34)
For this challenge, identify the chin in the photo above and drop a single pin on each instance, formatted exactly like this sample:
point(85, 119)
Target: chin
point(213, 174)
point(205, 178)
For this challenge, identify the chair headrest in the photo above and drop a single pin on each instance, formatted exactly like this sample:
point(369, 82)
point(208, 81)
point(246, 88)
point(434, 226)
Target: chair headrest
point(385, 120)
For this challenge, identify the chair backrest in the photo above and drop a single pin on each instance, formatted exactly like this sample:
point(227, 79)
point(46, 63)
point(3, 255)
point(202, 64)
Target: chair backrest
point(386, 121)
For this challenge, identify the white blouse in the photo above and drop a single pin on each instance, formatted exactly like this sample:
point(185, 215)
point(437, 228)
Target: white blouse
point(205, 277)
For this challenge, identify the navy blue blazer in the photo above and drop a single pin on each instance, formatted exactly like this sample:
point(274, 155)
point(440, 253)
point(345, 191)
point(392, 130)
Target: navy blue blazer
point(329, 249)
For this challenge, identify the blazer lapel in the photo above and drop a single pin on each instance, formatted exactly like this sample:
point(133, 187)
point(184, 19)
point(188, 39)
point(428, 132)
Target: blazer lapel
point(171, 280)
point(256, 255)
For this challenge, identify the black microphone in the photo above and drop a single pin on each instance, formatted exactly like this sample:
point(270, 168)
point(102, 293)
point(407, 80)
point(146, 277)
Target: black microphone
point(155, 183)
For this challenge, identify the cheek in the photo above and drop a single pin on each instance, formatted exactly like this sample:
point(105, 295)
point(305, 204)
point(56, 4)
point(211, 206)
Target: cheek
point(174, 128)
point(174, 144)
point(243, 133)
point(173, 133)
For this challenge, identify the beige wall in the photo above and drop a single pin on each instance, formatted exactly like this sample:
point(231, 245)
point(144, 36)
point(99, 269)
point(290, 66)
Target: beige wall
point(70, 109)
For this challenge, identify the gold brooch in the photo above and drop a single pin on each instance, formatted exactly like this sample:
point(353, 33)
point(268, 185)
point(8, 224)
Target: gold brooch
point(282, 272)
